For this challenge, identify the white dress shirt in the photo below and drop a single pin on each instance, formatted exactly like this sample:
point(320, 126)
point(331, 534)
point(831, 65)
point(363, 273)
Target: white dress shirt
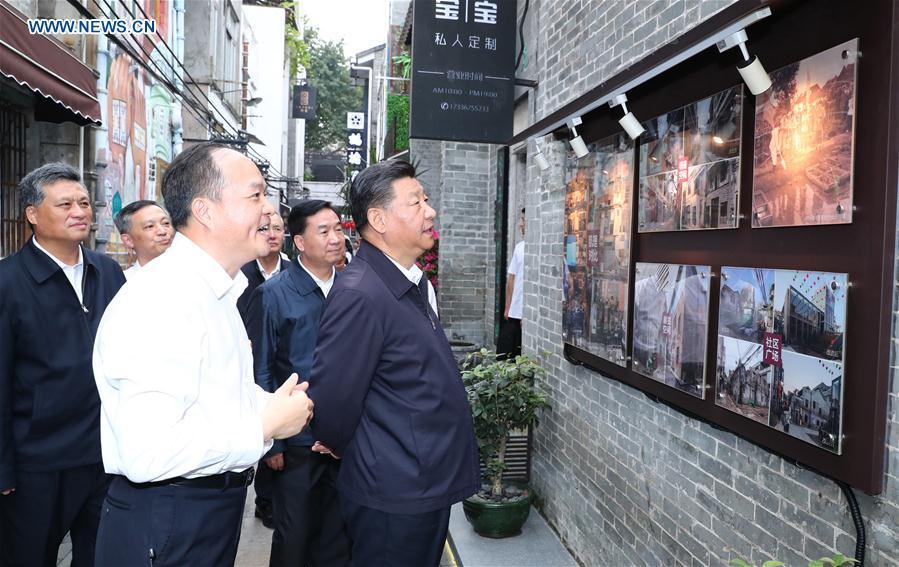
point(516, 268)
point(175, 372)
point(75, 274)
point(265, 275)
point(135, 267)
point(324, 285)
point(414, 275)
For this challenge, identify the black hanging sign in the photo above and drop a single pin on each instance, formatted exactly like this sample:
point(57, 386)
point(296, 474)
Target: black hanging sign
point(303, 102)
point(463, 70)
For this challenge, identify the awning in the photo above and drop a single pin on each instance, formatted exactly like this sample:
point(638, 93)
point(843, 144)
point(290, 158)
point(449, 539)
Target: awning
point(65, 89)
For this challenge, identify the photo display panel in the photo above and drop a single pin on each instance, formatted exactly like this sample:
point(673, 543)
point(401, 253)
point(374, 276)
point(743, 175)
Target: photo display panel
point(596, 271)
point(671, 318)
point(805, 142)
point(690, 166)
point(781, 336)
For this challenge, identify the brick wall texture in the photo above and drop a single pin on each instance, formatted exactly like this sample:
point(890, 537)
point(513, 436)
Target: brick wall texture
point(623, 480)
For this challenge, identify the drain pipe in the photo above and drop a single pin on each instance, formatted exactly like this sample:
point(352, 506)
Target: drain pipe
point(177, 121)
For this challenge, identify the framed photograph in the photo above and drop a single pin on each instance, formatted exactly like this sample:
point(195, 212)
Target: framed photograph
point(671, 307)
point(805, 142)
point(597, 249)
point(781, 336)
point(690, 166)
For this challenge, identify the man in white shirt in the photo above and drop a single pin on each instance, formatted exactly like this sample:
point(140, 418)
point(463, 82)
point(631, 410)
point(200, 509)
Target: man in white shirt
point(509, 341)
point(182, 422)
point(146, 231)
point(282, 322)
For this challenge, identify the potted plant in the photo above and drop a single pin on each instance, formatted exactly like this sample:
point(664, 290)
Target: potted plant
point(503, 398)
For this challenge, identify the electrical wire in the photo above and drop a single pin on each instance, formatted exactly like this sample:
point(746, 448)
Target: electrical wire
point(224, 122)
point(521, 33)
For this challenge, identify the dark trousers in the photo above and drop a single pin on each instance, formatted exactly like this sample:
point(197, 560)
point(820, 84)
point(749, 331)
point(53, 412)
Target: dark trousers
point(169, 525)
point(309, 527)
point(381, 539)
point(44, 507)
point(262, 483)
point(508, 343)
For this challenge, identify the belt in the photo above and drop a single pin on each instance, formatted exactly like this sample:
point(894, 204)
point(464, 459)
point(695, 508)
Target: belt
point(218, 481)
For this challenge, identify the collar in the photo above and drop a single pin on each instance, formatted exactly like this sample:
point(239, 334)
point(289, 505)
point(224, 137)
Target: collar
point(318, 282)
point(207, 268)
point(277, 269)
point(301, 278)
point(386, 268)
point(413, 274)
point(41, 264)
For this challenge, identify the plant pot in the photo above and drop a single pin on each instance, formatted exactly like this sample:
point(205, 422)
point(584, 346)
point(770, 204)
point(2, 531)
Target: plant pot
point(497, 519)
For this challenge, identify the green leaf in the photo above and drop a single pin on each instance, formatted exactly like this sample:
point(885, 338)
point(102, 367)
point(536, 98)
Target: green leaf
point(773, 563)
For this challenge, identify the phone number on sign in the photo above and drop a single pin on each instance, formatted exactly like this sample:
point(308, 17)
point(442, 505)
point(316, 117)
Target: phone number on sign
point(465, 107)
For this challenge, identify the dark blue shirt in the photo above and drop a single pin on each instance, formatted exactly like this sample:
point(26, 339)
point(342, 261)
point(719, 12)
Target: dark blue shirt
point(282, 323)
point(49, 405)
point(388, 395)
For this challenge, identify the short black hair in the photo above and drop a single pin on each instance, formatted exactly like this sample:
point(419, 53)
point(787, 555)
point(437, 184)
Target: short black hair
point(193, 173)
point(522, 210)
point(123, 218)
point(300, 213)
point(373, 187)
point(31, 187)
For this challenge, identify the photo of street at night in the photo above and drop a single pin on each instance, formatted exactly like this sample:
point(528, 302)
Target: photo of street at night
point(804, 142)
point(598, 221)
point(671, 307)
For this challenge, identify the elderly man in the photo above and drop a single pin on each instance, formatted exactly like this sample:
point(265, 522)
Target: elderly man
point(52, 294)
point(283, 326)
point(264, 267)
point(257, 272)
point(146, 230)
point(389, 398)
point(182, 421)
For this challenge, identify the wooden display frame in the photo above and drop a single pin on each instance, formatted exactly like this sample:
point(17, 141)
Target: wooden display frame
point(865, 249)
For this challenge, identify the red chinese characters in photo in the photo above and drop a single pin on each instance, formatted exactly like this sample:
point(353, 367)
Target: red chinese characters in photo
point(773, 345)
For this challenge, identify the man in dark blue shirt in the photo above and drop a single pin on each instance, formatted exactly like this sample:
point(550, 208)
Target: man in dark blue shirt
point(53, 293)
point(282, 323)
point(388, 396)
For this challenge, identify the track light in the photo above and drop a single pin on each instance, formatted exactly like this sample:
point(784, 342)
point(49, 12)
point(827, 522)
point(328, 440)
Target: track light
point(577, 143)
point(629, 122)
point(539, 158)
point(754, 75)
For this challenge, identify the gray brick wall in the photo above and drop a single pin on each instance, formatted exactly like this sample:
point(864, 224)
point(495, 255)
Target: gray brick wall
point(623, 480)
point(460, 181)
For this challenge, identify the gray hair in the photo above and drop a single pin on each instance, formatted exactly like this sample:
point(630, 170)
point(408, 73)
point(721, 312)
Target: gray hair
point(31, 187)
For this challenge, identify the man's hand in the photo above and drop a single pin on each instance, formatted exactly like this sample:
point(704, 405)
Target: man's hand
point(7, 492)
point(317, 447)
point(288, 411)
point(275, 462)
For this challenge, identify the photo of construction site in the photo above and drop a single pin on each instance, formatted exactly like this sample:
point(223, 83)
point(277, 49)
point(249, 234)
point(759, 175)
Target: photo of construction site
point(744, 381)
point(806, 400)
point(690, 166)
point(780, 350)
point(804, 142)
point(671, 306)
